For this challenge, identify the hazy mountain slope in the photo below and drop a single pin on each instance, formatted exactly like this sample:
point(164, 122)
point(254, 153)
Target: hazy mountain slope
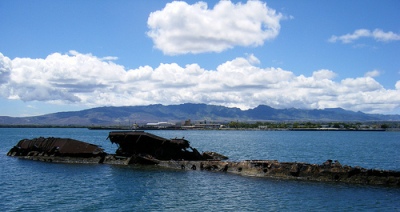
point(196, 112)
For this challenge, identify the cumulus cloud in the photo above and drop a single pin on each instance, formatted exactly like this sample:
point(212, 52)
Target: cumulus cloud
point(5, 68)
point(180, 28)
point(60, 77)
point(373, 73)
point(377, 34)
point(84, 79)
point(324, 74)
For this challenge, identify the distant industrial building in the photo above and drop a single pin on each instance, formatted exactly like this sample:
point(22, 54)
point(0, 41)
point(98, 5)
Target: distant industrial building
point(160, 125)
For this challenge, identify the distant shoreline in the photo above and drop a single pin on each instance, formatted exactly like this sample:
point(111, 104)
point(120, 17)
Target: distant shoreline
point(178, 128)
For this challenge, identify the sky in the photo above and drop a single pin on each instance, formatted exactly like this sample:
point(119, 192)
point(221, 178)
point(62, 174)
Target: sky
point(70, 55)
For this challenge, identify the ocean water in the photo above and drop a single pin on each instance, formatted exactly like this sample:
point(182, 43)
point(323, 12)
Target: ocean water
point(36, 186)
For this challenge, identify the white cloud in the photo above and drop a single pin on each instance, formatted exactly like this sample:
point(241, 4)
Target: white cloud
point(380, 35)
point(180, 28)
point(60, 77)
point(5, 68)
point(373, 73)
point(361, 84)
point(377, 34)
point(84, 79)
point(348, 38)
point(324, 74)
point(253, 59)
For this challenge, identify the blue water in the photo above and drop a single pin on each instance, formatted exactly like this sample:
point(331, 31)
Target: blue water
point(36, 186)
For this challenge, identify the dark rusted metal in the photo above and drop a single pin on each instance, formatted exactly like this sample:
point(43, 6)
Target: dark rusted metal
point(138, 147)
point(55, 146)
point(135, 143)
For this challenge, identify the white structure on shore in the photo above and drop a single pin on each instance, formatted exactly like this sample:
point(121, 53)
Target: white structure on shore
point(160, 125)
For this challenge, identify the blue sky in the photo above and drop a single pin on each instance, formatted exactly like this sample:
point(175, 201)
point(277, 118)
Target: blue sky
point(72, 55)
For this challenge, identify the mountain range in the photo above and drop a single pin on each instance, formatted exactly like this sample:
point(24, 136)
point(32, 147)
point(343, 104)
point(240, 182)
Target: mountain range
point(127, 115)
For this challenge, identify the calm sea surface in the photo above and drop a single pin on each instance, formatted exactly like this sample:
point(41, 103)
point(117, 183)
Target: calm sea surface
point(36, 186)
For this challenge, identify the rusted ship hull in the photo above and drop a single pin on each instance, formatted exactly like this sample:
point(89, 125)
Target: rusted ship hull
point(64, 159)
point(147, 149)
point(64, 147)
point(293, 171)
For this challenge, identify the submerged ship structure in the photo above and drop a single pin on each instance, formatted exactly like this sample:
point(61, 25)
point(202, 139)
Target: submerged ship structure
point(139, 147)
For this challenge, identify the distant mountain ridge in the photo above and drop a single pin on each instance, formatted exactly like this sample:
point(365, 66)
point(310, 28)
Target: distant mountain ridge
point(125, 115)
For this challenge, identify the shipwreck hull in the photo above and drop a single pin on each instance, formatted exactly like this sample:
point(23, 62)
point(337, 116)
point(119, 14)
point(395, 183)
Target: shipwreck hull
point(64, 147)
point(135, 143)
point(58, 150)
point(64, 159)
point(293, 171)
point(144, 148)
